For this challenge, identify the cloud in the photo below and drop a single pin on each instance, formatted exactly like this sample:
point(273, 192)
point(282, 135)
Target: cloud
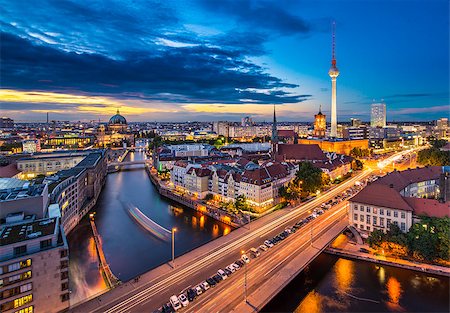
point(197, 74)
point(433, 109)
point(267, 15)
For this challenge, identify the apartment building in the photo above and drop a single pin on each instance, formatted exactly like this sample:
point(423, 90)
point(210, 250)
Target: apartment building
point(34, 265)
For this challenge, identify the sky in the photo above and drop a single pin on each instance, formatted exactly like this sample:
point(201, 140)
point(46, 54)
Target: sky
point(209, 60)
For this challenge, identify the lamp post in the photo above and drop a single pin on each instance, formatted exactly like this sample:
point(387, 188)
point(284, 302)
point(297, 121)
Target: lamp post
point(245, 278)
point(173, 246)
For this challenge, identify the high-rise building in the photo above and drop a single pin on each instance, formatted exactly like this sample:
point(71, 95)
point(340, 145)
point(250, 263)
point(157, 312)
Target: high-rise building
point(378, 115)
point(442, 128)
point(356, 122)
point(320, 124)
point(246, 121)
point(333, 73)
point(6, 122)
point(31, 145)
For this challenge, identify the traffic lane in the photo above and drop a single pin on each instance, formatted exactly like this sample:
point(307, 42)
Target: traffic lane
point(146, 292)
point(260, 270)
point(211, 269)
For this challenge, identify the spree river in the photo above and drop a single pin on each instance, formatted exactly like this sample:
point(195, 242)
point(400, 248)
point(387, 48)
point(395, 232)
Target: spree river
point(130, 249)
point(332, 284)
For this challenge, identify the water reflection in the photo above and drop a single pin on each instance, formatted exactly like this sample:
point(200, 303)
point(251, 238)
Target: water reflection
point(343, 275)
point(369, 288)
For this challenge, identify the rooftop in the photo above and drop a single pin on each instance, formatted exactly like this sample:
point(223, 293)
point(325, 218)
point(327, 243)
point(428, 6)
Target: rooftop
point(383, 196)
point(18, 189)
point(401, 179)
point(27, 231)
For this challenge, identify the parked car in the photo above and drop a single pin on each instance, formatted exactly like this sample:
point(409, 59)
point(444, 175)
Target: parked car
point(198, 290)
point(222, 273)
point(227, 271)
point(176, 305)
point(245, 258)
point(239, 263)
point(191, 294)
point(268, 243)
point(205, 285)
point(364, 250)
point(183, 300)
point(236, 265)
point(211, 282)
point(217, 278)
point(254, 252)
point(231, 268)
point(263, 248)
point(167, 308)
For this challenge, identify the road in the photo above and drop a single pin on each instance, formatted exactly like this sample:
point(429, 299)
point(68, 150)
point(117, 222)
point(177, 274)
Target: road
point(155, 287)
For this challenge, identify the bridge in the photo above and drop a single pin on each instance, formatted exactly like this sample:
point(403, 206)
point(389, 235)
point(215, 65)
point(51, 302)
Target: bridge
point(124, 163)
point(278, 265)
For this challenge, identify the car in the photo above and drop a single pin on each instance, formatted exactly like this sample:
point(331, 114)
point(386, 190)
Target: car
point(364, 250)
point(288, 230)
point(268, 243)
point(183, 300)
point(204, 285)
point(222, 274)
point(217, 278)
point(211, 282)
point(167, 308)
point(263, 248)
point(231, 268)
point(198, 290)
point(254, 252)
point(176, 305)
point(239, 263)
point(227, 271)
point(236, 266)
point(245, 258)
point(191, 294)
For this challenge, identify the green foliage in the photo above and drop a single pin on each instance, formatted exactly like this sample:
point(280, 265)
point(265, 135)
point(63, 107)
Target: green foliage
point(240, 203)
point(357, 165)
point(430, 238)
point(310, 177)
point(433, 157)
point(438, 143)
point(358, 152)
point(375, 238)
point(291, 192)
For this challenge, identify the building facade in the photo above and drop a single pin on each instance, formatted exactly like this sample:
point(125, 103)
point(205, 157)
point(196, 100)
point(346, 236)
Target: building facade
point(378, 115)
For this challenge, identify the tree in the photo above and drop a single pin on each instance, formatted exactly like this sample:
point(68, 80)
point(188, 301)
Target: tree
point(433, 157)
point(309, 177)
point(291, 192)
point(375, 238)
point(240, 203)
point(357, 165)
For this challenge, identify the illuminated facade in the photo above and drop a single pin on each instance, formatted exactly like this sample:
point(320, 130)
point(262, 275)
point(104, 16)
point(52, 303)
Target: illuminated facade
point(115, 132)
point(333, 73)
point(34, 267)
point(337, 146)
point(320, 124)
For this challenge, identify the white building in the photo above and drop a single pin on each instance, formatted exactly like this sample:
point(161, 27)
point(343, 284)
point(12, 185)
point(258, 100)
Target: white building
point(31, 145)
point(378, 115)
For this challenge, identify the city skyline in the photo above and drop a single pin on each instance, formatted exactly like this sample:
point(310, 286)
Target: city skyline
point(196, 61)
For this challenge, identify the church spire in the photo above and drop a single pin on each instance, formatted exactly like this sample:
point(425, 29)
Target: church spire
point(274, 127)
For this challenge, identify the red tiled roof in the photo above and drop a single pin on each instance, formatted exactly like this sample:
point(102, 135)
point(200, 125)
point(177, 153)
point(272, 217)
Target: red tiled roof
point(264, 175)
point(300, 152)
point(429, 207)
point(401, 179)
point(383, 196)
point(8, 171)
point(286, 133)
point(200, 172)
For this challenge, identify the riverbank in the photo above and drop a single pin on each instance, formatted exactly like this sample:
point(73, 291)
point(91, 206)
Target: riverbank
point(354, 253)
point(192, 203)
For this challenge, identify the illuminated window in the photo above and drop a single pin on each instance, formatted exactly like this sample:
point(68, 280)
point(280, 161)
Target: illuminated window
point(25, 310)
point(23, 300)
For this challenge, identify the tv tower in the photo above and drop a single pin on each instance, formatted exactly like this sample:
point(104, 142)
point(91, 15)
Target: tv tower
point(334, 73)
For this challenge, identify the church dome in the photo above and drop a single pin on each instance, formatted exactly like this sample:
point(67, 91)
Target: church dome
point(117, 119)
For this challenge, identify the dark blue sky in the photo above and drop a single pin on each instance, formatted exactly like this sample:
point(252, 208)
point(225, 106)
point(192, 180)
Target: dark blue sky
point(208, 60)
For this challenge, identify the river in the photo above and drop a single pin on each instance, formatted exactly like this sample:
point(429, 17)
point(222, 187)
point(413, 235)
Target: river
point(130, 249)
point(333, 284)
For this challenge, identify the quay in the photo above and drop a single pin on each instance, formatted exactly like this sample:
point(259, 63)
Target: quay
point(389, 261)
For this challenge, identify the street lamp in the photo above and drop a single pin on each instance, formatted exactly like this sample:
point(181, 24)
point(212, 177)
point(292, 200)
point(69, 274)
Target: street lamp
point(173, 246)
point(245, 278)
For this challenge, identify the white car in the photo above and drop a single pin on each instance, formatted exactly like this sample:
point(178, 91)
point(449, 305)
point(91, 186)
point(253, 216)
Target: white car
point(245, 258)
point(222, 274)
point(198, 290)
point(263, 247)
point(183, 299)
point(175, 302)
point(231, 268)
point(205, 285)
point(268, 243)
point(236, 266)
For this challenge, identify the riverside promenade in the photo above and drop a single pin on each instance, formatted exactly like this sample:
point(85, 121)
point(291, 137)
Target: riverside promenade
point(354, 253)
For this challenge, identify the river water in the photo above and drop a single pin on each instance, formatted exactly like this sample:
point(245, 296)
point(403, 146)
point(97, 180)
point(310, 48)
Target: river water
point(129, 249)
point(332, 284)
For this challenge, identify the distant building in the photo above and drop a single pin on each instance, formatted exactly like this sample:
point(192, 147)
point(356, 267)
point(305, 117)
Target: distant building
point(356, 122)
point(31, 145)
point(355, 132)
point(320, 124)
point(115, 133)
point(221, 128)
point(338, 146)
point(246, 121)
point(442, 128)
point(6, 122)
point(378, 115)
